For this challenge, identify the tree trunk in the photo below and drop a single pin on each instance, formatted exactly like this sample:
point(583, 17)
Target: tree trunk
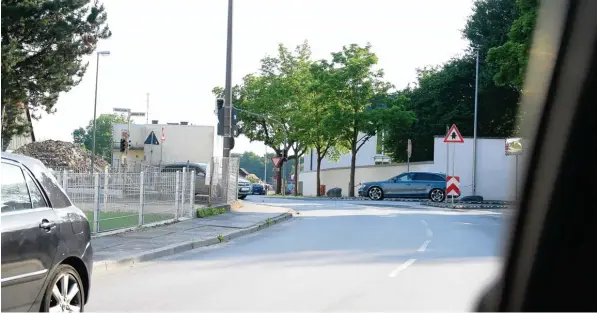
point(319, 175)
point(296, 173)
point(353, 162)
point(351, 183)
point(279, 180)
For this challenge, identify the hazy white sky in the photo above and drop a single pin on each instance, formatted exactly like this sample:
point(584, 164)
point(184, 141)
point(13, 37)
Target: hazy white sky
point(176, 51)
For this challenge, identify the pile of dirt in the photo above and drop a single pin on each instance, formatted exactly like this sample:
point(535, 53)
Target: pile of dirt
point(61, 155)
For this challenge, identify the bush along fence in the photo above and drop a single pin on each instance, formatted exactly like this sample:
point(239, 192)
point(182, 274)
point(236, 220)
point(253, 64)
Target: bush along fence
point(120, 200)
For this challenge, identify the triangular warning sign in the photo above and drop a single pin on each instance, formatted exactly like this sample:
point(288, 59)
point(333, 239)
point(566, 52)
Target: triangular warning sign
point(151, 139)
point(454, 135)
point(276, 161)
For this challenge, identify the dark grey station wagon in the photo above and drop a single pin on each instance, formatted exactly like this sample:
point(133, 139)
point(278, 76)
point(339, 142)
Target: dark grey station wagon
point(46, 241)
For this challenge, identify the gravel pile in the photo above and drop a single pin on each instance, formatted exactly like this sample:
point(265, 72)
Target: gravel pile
point(61, 155)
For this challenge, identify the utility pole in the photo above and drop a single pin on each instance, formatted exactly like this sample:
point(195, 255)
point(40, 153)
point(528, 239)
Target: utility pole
point(95, 106)
point(228, 135)
point(475, 127)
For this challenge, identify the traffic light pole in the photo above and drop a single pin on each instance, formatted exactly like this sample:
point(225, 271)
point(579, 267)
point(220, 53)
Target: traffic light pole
point(228, 135)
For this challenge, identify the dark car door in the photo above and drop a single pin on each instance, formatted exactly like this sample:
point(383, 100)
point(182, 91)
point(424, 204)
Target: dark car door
point(399, 186)
point(424, 182)
point(29, 238)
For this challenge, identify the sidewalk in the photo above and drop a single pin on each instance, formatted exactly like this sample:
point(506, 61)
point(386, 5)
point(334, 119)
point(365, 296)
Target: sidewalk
point(128, 248)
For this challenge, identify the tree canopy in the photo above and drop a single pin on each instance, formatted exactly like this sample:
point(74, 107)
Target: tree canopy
point(500, 32)
point(43, 44)
point(103, 135)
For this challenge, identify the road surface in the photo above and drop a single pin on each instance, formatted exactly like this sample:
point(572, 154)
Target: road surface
point(335, 256)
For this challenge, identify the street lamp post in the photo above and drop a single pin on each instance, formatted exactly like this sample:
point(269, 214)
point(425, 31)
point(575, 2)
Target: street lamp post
point(95, 105)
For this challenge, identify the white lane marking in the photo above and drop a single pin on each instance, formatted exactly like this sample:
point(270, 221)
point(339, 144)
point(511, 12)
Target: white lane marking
point(429, 233)
point(425, 223)
point(427, 228)
point(401, 268)
point(424, 246)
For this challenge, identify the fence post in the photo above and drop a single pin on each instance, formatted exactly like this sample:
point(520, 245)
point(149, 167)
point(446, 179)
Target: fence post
point(96, 211)
point(141, 197)
point(176, 195)
point(184, 188)
point(64, 179)
point(106, 184)
point(192, 194)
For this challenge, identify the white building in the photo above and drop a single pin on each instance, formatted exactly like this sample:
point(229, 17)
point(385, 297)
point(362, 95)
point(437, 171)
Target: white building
point(496, 172)
point(183, 142)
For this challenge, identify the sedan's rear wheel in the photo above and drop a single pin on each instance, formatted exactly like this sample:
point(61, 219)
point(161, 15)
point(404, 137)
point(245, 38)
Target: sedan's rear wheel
point(437, 195)
point(64, 293)
point(375, 193)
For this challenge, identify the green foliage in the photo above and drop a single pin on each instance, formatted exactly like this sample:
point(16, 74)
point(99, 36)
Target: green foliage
point(511, 58)
point(43, 44)
point(500, 31)
point(205, 212)
point(103, 137)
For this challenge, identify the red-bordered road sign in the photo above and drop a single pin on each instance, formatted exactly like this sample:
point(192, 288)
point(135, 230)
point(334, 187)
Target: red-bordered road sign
point(454, 135)
point(163, 135)
point(276, 160)
point(453, 186)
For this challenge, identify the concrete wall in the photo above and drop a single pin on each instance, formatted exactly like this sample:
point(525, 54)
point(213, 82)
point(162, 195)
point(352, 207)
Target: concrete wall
point(338, 177)
point(496, 172)
point(183, 142)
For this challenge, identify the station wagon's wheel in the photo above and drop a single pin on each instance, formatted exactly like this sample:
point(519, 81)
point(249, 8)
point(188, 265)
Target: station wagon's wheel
point(375, 193)
point(437, 195)
point(65, 291)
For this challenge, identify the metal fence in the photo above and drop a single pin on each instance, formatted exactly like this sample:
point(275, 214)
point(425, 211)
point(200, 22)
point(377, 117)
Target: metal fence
point(117, 200)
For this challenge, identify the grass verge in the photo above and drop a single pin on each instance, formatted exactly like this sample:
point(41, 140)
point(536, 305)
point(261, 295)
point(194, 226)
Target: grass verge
point(201, 213)
point(119, 220)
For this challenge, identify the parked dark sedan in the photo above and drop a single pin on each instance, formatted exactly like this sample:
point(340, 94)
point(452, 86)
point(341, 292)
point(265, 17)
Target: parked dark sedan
point(258, 189)
point(46, 241)
point(407, 185)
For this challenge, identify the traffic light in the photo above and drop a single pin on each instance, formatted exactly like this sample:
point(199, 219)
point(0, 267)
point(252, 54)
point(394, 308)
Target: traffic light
point(219, 104)
point(122, 145)
point(220, 111)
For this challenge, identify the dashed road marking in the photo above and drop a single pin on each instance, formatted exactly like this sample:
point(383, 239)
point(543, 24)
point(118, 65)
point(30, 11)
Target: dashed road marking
point(402, 267)
point(423, 247)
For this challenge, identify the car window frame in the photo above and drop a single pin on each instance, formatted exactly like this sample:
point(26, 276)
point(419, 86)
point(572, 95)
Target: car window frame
point(396, 178)
point(37, 185)
point(20, 211)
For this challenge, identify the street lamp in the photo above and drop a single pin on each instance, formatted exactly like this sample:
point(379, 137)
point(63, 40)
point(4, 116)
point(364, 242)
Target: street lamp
point(95, 104)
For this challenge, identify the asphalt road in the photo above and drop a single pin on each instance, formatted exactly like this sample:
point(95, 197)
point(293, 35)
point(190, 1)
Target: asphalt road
point(335, 256)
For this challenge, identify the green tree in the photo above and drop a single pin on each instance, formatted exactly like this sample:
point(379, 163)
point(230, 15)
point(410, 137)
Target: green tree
point(325, 130)
point(43, 44)
point(103, 136)
point(268, 102)
point(253, 178)
point(444, 95)
point(511, 58)
point(358, 86)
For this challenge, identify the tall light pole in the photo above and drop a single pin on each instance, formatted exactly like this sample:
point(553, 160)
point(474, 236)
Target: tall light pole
point(95, 104)
point(228, 88)
point(475, 127)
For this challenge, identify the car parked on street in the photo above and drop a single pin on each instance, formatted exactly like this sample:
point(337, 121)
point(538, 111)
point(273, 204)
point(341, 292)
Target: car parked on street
point(407, 185)
point(244, 188)
point(201, 188)
point(46, 241)
point(258, 189)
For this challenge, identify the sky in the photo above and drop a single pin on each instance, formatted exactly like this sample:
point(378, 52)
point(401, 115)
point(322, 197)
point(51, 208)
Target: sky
point(176, 51)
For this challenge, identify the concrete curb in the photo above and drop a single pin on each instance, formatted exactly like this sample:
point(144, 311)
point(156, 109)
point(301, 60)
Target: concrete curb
point(184, 246)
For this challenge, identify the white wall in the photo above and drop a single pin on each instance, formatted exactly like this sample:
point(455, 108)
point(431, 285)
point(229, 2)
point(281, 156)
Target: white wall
point(496, 172)
point(183, 143)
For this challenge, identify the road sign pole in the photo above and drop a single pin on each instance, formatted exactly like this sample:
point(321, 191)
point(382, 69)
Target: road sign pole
point(453, 166)
point(516, 180)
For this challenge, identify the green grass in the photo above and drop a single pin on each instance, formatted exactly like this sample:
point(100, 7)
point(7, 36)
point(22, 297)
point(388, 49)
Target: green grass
point(118, 220)
point(201, 213)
